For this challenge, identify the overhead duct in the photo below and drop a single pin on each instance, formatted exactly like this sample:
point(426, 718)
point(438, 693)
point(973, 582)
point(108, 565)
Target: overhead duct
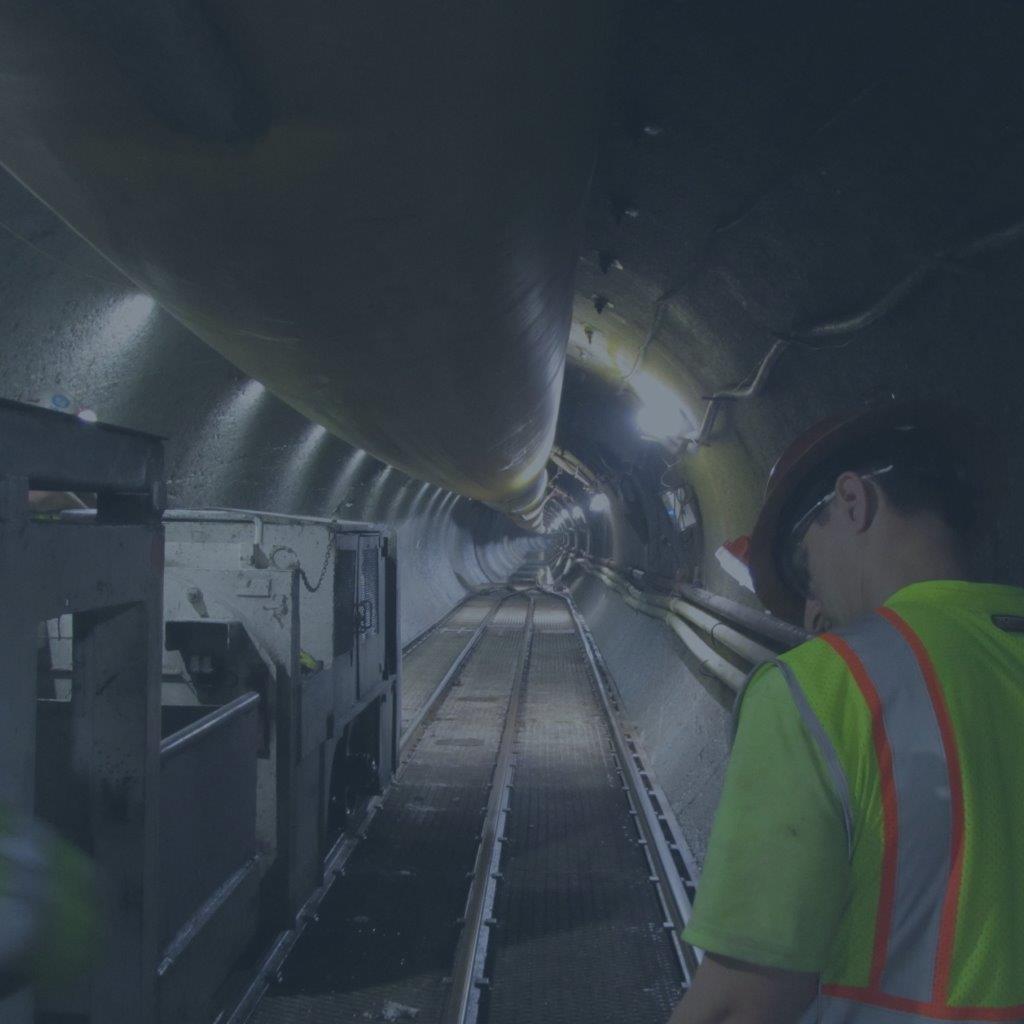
point(376, 216)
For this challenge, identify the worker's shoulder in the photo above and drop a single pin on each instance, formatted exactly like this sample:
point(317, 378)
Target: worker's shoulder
point(964, 627)
point(810, 659)
point(814, 669)
point(950, 598)
point(771, 682)
point(778, 673)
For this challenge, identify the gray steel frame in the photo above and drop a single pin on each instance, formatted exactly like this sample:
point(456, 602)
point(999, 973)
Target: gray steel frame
point(108, 574)
point(107, 569)
point(275, 575)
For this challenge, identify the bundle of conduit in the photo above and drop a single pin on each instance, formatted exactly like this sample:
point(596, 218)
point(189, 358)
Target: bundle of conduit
point(698, 618)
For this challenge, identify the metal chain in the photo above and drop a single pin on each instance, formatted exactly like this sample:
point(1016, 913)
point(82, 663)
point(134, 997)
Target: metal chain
point(323, 570)
point(302, 572)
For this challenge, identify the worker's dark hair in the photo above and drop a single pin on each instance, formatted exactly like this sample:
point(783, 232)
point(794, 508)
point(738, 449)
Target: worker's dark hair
point(926, 476)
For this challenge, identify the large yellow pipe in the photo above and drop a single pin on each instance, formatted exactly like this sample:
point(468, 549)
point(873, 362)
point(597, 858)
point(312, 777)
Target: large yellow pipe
point(375, 212)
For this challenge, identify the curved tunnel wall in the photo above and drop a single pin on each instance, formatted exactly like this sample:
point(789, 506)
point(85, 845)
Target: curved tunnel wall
point(825, 229)
point(69, 324)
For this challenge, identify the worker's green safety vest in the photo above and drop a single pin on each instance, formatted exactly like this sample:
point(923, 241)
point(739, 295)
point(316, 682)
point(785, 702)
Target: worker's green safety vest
point(49, 921)
point(918, 711)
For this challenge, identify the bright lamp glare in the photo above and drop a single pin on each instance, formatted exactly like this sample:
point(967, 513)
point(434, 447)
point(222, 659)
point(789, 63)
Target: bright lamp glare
point(560, 520)
point(87, 415)
point(600, 502)
point(661, 414)
point(127, 318)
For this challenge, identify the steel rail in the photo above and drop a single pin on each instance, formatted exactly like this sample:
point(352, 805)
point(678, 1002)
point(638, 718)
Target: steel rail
point(471, 951)
point(430, 704)
point(673, 865)
point(420, 637)
point(210, 723)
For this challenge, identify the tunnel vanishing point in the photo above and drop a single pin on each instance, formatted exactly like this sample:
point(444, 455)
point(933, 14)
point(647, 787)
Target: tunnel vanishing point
point(385, 396)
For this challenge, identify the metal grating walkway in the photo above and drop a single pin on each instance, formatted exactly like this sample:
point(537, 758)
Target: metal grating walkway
point(424, 666)
point(577, 930)
point(579, 934)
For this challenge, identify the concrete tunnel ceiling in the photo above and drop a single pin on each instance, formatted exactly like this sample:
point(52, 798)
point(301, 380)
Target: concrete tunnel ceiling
point(758, 173)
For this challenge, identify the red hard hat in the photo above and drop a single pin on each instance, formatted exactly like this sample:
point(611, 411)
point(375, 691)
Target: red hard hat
point(953, 428)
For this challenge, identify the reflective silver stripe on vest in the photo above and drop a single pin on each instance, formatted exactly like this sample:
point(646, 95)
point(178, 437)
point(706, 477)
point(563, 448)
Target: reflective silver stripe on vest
point(924, 811)
point(821, 738)
point(846, 1011)
point(825, 746)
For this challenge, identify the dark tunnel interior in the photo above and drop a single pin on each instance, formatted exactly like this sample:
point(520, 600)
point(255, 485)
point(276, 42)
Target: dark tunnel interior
point(541, 291)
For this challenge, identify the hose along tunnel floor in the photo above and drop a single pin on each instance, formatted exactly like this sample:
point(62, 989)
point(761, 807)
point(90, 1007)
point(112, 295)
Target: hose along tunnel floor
point(579, 932)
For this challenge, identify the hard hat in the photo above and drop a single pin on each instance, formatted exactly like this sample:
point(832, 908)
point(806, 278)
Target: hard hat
point(948, 427)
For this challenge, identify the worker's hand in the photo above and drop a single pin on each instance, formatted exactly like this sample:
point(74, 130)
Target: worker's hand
point(727, 991)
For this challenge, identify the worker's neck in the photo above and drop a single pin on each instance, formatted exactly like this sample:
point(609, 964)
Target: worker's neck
point(910, 550)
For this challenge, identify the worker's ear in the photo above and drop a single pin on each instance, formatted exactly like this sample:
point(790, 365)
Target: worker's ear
point(815, 619)
point(856, 503)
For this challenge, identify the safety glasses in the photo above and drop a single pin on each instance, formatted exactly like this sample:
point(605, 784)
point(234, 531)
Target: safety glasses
point(793, 555)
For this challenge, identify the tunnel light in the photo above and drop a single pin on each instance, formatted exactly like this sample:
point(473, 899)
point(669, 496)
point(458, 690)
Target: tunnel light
point(661, 419)
point(127, 317)
point(560, 520)
point(600, 502)
point(660, 424)
point(661, 416)
point(87, 415)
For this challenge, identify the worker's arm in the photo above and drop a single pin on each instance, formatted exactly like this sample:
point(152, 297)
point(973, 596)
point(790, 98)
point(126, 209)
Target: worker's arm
point(49, 911)
point(776, 875)
point(727, 991)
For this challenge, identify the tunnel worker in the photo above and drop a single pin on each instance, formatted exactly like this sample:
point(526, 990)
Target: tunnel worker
point(49, 919)
point(867, 856)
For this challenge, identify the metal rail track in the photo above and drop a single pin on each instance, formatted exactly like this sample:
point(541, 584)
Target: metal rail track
point(420, 638)
point(431, 704)
point(671, 868)
point(471, 950)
